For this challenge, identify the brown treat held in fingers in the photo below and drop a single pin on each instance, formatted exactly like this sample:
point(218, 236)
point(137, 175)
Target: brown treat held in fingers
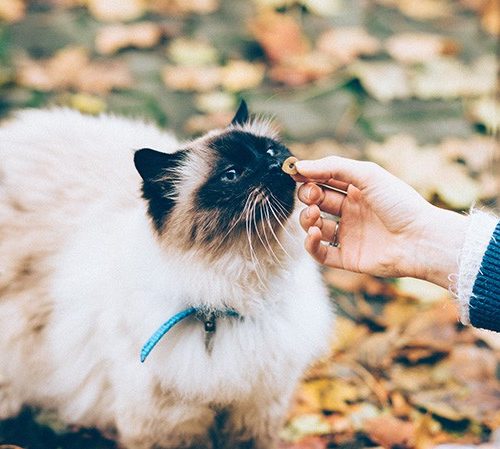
point(289, 165)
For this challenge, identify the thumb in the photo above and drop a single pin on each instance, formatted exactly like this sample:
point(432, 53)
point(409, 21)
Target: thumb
point(358, 173)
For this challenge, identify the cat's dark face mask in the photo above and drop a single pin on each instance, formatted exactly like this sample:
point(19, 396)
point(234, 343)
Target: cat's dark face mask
point(245, 195)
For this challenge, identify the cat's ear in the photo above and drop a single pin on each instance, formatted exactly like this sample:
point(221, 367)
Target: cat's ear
point(241, 115)
point(153, 165)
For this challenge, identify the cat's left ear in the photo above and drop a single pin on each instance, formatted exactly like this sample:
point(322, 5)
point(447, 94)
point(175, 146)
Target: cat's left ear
point(153, 165)
point(241, 115)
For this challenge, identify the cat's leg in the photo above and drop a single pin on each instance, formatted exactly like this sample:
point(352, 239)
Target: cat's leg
point(10, 402)
point(254, 425)
point(172, 426)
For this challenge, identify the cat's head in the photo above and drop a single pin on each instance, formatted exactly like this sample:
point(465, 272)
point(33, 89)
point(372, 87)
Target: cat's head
point(222, 192)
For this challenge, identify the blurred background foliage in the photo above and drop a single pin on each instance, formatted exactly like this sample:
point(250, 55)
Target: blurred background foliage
point(409, 84)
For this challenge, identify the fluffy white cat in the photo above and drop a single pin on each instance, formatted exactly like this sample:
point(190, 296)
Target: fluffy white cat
point(95, 254)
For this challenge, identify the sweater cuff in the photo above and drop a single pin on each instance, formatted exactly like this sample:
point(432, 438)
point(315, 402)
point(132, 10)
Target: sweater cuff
point(477, 237)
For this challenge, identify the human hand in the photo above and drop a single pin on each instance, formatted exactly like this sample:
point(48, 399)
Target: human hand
point(386, 228)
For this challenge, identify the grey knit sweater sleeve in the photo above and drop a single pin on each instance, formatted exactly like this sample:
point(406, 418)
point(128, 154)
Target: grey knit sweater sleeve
point(478, 284)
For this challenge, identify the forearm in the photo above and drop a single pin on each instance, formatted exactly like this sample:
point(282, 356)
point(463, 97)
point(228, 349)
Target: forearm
point(461, 253)
point(441, 241)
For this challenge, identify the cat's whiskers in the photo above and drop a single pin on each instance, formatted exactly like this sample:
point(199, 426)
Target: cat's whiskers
point(268, 205)
point(277, 215)
point(267, 245)
point(253, 255)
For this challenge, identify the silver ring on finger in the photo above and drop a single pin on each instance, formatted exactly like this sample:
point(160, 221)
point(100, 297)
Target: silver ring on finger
point(335, 240)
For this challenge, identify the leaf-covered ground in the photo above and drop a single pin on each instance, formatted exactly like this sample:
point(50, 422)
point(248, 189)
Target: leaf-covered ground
point(408, 84)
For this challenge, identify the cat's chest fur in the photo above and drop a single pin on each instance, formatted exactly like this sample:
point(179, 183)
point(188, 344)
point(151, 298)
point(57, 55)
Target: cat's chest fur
point(84, 281)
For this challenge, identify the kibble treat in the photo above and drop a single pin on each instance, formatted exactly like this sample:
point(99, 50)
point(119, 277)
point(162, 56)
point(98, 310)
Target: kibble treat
point(289, 165)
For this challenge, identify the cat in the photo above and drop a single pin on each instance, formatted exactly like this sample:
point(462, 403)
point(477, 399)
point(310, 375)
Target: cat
point(109, 227)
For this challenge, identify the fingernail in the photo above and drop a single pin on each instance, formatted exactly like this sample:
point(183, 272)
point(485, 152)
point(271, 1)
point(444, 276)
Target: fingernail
point(308, 193)
point(308, 212)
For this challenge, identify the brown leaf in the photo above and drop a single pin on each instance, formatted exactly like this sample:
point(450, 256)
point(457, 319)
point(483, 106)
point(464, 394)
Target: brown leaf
point(111, 38)
point(71, 68)
point(390, 432)
point(469, 363)
point(302, 69)
point(279, 35)
point(376, 351)
point(479, 402)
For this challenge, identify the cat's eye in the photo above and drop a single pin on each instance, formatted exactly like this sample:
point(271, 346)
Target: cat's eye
point(231, 175)
point(271, 151)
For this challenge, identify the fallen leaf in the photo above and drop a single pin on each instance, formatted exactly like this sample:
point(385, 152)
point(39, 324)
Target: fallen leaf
point(71, 68)
point(348, 335)
point(421, 10)
point(422, 291)
point(456, 188)
point(375, 352)
point(12, 10)
point(279, 35)
point(240, 75)
point(360, 413)
point(111, 38)
point(411, 48)
point(478, 152)
point(345, 45)
point(199, 124)
point(305, 443)
point(305, 425)
point(384, 81)
point(183, 7)
point(478, 402)
point(469, 363)
point(192, 78)
point(190, 52)
point(324, 8)
point(302, 69)
point(116, 10)
point(390, 432)
point(486, 111)
point(215, 101)
point(88, 104)
point(490, 17)
point(451, 78)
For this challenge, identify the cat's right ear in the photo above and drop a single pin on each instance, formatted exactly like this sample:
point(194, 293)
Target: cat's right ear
point(154, 165)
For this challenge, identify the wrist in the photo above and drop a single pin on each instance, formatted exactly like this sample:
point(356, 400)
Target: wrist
point(441, 239)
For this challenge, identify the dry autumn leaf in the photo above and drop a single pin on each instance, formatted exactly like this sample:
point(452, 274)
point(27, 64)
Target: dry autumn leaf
point(111, 38)
point(12, 10)
point(422, 291)
point(192, 78)
point(451, 78)
point(183, 7)
point(345, 45)
point(419, 47)
point(390, 432)
point(191, 52)
point(241, 75)
point(279, 35)
point(302, 69)
point(116, 10)
point(71, 68)
point(384, 81)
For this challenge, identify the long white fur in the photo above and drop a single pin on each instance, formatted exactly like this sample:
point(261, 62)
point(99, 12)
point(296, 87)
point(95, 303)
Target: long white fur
point(110, 284)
